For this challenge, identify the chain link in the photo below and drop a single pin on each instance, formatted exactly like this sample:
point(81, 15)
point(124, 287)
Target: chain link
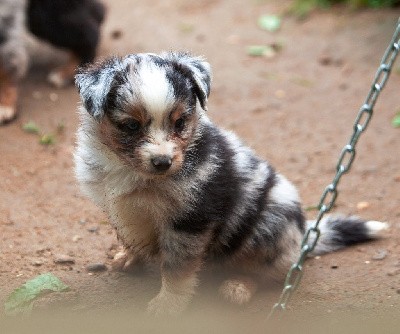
point(345, 161)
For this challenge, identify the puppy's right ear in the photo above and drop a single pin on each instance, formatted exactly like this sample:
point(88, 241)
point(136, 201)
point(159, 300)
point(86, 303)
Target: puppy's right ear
point(94, 84)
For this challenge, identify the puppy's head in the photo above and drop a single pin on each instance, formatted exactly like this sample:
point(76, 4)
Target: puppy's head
point(147, 107)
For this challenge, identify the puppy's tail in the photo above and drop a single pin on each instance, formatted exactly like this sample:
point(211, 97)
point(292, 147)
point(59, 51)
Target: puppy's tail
point(340, 231)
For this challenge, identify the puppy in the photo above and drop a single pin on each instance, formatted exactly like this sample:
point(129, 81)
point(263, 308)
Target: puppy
point(73, 25)
point(13, 57)
point(181, 191)
point(70, 24)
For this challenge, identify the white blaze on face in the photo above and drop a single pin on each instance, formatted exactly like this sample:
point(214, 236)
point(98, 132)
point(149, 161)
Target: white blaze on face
point(155, 91)
point(156, 94)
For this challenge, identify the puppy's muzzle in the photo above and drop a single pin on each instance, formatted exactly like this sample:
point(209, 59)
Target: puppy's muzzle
point(161, 163)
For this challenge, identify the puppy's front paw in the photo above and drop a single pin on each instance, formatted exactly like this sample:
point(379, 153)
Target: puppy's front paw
point(124, 260)
point(168, 304)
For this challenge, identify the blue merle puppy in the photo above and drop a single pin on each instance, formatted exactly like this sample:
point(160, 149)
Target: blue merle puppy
point(180, 190)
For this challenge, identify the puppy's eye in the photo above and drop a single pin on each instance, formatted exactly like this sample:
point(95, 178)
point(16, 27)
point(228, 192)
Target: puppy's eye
point(132, 126)
point(179, 124)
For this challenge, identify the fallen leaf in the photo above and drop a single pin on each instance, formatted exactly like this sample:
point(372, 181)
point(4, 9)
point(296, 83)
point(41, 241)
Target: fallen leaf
point(261, 51)
point(47, 139)
point(396, 120)
point(31, 127)
point(20, 300)
point(269, 22)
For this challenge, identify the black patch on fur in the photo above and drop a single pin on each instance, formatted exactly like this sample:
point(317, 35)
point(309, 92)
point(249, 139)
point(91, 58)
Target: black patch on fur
point(70, 24)
point(252, 217)
point(218, 196)
point(348, 231)
point(180, 83)
point(176, 75)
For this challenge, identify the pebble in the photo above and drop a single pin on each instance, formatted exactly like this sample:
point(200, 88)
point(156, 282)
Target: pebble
point(362, 205)
point(393, 272)
point(116, 34)
point(93, 229)
point(37, 263)
point(325, 60)
point(96, 267)
point(76, 238)
point(380, 254)
point(64, 259)
point(53, 97)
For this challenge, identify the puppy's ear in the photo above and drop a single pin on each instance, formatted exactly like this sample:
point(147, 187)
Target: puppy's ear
point(94, 84)
point(197, 70)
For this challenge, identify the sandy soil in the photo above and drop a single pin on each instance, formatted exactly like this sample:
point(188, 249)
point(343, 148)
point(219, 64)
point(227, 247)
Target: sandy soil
point(295, 109)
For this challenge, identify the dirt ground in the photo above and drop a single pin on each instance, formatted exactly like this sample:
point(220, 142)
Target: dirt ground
point(295, 109)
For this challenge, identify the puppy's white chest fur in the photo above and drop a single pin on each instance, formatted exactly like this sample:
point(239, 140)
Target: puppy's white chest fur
point(137, 207)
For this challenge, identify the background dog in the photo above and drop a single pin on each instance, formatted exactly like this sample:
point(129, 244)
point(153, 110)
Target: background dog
point(73, 25)
point(183, 192)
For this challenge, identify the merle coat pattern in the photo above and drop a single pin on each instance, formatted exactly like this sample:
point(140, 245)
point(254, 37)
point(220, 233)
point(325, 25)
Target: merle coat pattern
point(180, 190)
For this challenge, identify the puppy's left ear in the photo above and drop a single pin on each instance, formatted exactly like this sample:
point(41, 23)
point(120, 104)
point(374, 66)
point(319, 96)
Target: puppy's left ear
point(94, 84)
point(197, 70)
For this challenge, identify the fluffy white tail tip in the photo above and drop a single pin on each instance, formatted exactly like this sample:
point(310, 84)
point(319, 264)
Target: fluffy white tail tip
point(375, 228)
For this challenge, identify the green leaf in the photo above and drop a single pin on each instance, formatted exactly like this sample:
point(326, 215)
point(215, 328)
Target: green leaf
point(21, 299)
point(31, 127)
point(269, 22)
point(47, 139)
point(396, 120)
point(261, 51)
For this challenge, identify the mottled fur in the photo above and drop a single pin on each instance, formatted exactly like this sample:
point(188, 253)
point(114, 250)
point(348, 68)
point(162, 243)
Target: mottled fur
point(180, 190)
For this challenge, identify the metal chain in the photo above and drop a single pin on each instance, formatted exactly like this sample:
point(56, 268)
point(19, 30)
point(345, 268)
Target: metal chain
point(346, 159)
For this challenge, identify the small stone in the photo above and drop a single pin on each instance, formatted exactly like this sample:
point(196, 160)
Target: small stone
point(82, 221)
point(96, 267)
point(334, 266)
point(116, 34)
point(93, 229)
point(362, 205)
point(380, 255)
point(367, 262)
point(325, 60)
point(53, 97)
point(37, 263)
point(76, 238)
point(64, 259)
point(393, 272)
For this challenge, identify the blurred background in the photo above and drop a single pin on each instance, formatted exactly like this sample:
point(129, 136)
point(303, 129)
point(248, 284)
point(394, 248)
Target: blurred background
point(288, 78)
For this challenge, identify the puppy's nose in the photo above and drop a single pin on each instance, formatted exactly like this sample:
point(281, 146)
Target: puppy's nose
point(161, 162)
